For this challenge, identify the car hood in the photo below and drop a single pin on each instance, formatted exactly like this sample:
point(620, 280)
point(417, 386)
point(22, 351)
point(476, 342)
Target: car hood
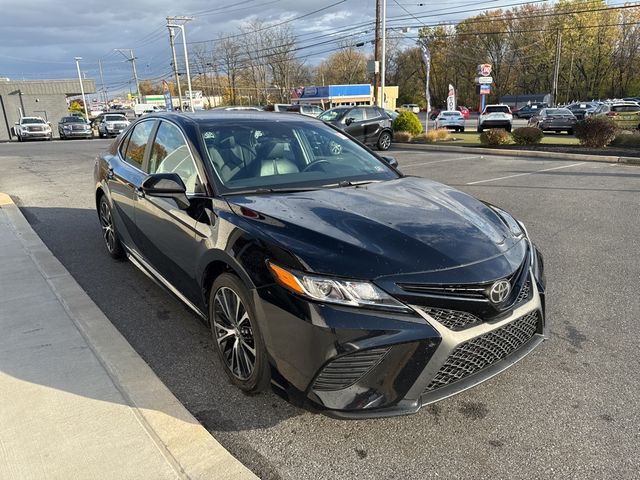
point(395, 227)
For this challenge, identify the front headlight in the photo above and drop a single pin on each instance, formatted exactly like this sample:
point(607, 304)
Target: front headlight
point(354, 293)
point(66, 127)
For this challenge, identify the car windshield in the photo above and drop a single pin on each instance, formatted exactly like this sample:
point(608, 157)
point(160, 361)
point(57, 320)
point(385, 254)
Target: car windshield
point(32, 120)
point(72, 120)
point(115, 118)
point(333, 114)
point(250, 156)
point(497, 109)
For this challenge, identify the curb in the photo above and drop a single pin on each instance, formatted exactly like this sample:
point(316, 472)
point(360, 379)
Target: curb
point(187, 445)
point(519, 153)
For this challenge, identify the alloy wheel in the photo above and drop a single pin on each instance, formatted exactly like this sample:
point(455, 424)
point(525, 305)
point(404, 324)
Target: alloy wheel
point(106, 222)
point(234, 334)
point(384, 142)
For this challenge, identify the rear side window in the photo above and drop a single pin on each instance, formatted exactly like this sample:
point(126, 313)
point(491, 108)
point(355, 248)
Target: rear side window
point(357, 114)
point(170, 154)
point(497, 109)
point(138, 143)
point(625, 108)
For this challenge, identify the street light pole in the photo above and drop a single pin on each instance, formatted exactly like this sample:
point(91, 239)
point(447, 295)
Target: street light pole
point(84, 100)
point(171, 23)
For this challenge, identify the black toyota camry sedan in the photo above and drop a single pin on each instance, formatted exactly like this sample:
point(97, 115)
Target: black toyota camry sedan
point(321, 269)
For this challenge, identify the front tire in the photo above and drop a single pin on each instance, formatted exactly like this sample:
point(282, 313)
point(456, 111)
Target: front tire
point(236, 334)
point(109, 234)
point(384, 141)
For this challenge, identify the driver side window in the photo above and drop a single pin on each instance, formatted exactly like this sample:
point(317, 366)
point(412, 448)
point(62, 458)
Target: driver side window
point(357, 114)
point(170, 154)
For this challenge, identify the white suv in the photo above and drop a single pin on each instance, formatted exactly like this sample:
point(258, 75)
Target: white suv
point(495, 116)
point(32, 127)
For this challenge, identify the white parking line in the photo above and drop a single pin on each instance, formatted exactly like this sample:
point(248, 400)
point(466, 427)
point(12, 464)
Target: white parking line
point(527, 173)
point(440, 161)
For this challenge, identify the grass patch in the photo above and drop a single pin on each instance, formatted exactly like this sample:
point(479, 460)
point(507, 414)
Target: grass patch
point(472, 139)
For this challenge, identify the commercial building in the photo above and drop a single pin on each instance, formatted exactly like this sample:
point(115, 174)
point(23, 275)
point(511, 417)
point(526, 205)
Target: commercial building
point(37, 98)
point(328, 96)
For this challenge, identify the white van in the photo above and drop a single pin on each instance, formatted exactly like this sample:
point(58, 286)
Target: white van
point(141, 108)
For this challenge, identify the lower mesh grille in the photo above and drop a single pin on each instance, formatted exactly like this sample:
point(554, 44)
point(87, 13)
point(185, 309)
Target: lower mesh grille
point(485, 350)
point(347, 370)
point(452, 319)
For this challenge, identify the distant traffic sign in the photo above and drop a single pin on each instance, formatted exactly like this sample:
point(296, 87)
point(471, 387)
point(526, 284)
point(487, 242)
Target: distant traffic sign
point(484, 70)
point(485, 89)
point(485, 80)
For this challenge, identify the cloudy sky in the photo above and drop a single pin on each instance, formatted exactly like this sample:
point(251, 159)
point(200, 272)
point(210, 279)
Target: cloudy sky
point(40, 38)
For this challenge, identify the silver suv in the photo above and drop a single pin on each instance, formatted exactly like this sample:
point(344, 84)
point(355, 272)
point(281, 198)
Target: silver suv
point(32, 127)
point(495, 116)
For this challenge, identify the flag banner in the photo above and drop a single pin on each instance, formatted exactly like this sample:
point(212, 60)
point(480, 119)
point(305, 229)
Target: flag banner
point(426, 58)
point(451, 98)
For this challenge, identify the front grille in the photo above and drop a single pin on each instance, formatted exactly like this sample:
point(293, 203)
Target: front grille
point(452, 319)
point(36, 129)
point(525, 293)
point(463, 291)
point(348, 369)
point(485, 350)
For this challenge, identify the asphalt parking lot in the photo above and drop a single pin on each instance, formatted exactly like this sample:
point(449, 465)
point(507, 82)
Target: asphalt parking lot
point(568, 410)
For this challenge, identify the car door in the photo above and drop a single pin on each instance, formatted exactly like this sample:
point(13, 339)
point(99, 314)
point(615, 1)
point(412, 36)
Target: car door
point(124, 176)
point(166, 232)
point(374, 124)
point(356, 127)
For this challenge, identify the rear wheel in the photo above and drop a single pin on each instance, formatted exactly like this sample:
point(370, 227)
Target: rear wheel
point(109, 235)
point(384, 141)
point(236, 334)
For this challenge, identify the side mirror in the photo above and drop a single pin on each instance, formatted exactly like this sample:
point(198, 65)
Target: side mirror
point(391, 161)
point(349, 121)
point(166, 185)
point(17, 123)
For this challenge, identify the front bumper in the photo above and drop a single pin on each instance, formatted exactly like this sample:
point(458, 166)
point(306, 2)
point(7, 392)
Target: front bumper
point(355, 363)
point(35, 134)
point(495, 124)
point(78, 133)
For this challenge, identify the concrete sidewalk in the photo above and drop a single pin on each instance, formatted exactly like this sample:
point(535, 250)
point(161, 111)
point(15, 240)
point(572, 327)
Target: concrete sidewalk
point(76, 401)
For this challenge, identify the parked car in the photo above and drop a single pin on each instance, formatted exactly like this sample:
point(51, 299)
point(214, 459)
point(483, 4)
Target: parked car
point(30, 128)
point(321, 271)
point(625, 114)
point(409, 107)
point(464, 111)
point(74, 127)
point(554, 120)
point(495, 116)
point(140, 109)
point(453, 120)
point(369, 125)
point(112, 124)
point(529, 111)
point(434, 113)
point(582, 110)
point(277, 107)
point(309, 110)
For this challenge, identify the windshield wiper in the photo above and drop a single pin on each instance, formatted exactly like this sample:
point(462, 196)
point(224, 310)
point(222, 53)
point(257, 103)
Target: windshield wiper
point(262, 191)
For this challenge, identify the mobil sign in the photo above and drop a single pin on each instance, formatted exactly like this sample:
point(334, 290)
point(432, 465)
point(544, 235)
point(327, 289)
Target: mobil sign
point(484, 70)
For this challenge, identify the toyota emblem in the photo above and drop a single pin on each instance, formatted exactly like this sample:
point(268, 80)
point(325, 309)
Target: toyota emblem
point(499, 291)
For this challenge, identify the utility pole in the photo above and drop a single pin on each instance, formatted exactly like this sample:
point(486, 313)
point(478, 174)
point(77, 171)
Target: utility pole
point(171, 24)
point(132, 59)
point(175, 64)
point(556, 72)
point(376, 57)
point(105, 97)
point(84, 100)
point(383, 61)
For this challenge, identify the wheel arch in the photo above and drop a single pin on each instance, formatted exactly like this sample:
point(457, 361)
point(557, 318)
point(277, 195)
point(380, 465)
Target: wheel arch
point(215, 266)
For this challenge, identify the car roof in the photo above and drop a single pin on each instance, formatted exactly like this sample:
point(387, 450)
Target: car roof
point(185, 118)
